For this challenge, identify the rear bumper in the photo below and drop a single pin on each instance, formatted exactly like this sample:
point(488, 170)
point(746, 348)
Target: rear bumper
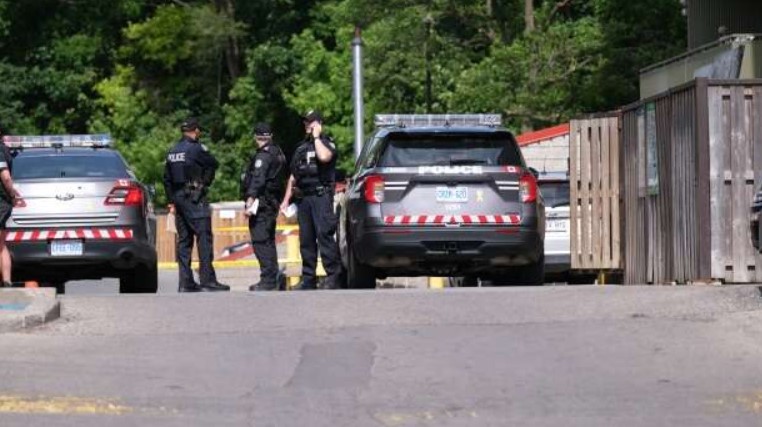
point(99, 259)
point(439, 250)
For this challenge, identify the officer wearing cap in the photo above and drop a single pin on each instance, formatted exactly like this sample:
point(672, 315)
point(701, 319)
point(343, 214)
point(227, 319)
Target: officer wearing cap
point(312, 182)
point(262, 187)
point(188, 172)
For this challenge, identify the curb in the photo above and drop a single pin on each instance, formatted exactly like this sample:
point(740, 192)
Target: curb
point(41, 306)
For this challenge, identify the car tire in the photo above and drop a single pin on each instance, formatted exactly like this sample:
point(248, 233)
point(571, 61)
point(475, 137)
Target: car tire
point(528, 275)
point(359, 275)
point(140, 280)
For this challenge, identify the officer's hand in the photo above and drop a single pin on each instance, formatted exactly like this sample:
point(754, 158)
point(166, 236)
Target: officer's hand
point(171, 208)
point(317, 129)
point(284, 206)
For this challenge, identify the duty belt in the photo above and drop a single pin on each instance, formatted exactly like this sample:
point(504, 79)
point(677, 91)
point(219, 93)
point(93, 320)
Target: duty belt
point(315, 191)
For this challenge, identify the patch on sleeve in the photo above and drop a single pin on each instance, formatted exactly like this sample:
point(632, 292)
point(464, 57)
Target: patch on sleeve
point(258, 163)
point(203, 147)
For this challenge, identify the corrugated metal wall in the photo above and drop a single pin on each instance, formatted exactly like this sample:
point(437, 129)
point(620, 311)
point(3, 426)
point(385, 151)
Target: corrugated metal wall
point(705, 17)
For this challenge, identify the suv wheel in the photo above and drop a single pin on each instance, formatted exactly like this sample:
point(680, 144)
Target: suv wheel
point(359, 276)
point(527, 275)
point(140, 280)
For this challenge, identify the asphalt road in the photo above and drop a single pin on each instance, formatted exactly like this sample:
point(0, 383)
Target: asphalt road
point(551, 356)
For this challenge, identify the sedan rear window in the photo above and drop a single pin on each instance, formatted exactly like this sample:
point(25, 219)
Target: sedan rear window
point(68, 166)
point(555, 193)
point(405, 150)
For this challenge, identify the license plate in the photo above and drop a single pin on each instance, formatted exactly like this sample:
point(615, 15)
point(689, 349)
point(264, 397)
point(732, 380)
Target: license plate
point(560, 225)
point(452, 194)
point(66, 248)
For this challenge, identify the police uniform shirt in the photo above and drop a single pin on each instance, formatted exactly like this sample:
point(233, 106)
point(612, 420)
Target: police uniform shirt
point(6, 163)
point(307, 168)
point(188, 160)
point(267, 164)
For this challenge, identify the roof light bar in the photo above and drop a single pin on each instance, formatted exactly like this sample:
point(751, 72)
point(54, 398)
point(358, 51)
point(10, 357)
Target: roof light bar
point(47, 141)
point(403, 120)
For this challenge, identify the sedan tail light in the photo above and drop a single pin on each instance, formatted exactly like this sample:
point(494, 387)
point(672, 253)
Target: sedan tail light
point(374, 189)
point(528, 188)
point(126, 194)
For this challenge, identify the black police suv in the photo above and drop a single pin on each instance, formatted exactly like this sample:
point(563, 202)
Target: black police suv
point(756, 213)
point(442, 195)
point(83, 214)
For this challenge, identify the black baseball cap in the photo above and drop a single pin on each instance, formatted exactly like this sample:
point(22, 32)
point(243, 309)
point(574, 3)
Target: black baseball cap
point(189, 124)
point(312, 115)
point(262, 129)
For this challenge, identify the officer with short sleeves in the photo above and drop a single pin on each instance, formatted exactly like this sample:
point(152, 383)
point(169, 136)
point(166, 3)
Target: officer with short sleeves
point(263, 187)
point(188, 172)
point(312, 183)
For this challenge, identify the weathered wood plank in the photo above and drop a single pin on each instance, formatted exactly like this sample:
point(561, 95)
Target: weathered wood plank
point(585, 161)
point(605, 236)
point(595, 192)
point(615, 184)
point(716, 180)
point(703, 226)
point(574, 180)
point(737, 166)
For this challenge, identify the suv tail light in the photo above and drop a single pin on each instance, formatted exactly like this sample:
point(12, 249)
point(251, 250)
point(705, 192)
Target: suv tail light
point(374, 189)
point(528, 188)
point(127, 194)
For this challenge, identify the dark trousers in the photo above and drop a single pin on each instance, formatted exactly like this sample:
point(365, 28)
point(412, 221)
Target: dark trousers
point(262, 230)
point(201, 230)
point(317, 228)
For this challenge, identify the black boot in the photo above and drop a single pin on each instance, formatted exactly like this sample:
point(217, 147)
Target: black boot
point(260, 287)
point(190, 287)
point(215, 287)
point(301, 286)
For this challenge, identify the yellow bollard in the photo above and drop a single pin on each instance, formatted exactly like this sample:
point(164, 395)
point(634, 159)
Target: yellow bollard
point(436, 282)
point(293, 256)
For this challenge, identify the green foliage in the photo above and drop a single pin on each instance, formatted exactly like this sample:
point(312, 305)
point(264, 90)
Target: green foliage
point(135, 68)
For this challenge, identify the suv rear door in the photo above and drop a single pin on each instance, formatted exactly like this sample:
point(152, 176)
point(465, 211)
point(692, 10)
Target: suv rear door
point(450, 178)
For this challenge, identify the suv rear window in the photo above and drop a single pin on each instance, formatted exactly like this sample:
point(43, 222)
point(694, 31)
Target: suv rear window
point(405, 150)
point(555, 193)
point(68, 166)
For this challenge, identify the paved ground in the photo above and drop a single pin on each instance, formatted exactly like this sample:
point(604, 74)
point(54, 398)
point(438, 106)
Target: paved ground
point(571, 356)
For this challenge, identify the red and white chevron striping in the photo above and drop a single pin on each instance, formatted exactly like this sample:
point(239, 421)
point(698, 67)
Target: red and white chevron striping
point(79, 233)
point(511, 219)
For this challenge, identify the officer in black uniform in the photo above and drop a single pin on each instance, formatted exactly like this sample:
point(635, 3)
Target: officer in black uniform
point(8, 198)
point(263, 185)
point(188, 172)
point(312, 182)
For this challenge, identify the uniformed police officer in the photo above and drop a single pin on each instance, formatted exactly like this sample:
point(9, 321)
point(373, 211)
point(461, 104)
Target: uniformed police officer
point(8, 197)
point(188, 172)
point(312, 181)
point(263, 186)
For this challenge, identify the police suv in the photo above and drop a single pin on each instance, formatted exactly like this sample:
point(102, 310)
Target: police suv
point(442, 195)
point(82, 215)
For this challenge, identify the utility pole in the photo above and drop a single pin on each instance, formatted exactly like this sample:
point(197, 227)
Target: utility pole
point(357, 91)
point(428, 21)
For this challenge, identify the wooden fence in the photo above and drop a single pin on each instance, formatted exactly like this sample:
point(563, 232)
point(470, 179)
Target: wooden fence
point(595, 196)
point(692, 158)
point(228, 225)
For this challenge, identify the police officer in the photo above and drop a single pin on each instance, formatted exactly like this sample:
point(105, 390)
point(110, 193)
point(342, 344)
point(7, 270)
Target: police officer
point(312, 181)
point(8, 198)
point(188, 172)
point(263, 186)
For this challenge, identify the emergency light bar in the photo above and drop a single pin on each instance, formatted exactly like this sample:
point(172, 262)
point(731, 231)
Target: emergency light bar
point(403, 120)
point(48, 141)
